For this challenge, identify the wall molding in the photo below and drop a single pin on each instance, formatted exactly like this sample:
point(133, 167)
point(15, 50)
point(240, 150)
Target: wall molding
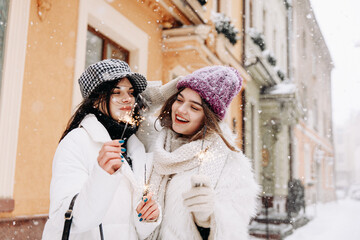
point(7, 204)
point(11, 92)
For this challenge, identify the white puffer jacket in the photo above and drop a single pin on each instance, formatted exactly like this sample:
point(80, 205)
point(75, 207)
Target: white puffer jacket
point(103, 198)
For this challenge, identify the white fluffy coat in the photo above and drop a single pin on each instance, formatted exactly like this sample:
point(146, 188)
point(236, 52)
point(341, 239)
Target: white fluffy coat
point(235, 199)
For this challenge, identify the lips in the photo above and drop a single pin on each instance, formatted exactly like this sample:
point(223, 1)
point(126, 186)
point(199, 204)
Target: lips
point(180, 119)
point(125, 108)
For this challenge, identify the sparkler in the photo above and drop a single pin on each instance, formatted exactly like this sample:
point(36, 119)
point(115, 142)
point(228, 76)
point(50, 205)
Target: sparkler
point(146, 186)
point(201, 155)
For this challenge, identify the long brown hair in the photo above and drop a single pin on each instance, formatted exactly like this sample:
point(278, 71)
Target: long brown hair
point(100, 99)
point(211, 120)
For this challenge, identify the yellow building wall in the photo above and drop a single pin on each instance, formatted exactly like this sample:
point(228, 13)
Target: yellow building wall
point(45, 104)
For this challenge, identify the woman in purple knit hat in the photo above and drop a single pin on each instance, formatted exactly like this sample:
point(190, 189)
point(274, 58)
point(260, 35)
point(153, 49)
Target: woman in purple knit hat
point(204, 183)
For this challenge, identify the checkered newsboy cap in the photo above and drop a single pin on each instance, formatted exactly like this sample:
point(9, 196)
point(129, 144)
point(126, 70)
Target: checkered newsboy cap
point(108, 70)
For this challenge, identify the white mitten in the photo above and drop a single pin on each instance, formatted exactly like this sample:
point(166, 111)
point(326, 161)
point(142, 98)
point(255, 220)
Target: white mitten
point(199, 200)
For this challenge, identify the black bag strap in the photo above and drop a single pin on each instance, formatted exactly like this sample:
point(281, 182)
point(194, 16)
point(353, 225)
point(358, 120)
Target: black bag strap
point(68, 220)
point(101, 232)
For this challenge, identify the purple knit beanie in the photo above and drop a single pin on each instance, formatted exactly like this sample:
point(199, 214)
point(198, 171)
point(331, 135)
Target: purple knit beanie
point(217, 86)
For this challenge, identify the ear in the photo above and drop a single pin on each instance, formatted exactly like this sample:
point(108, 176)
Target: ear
point(96, 104)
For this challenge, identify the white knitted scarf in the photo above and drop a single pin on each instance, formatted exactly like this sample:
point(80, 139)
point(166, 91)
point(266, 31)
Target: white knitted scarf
point(172, 155)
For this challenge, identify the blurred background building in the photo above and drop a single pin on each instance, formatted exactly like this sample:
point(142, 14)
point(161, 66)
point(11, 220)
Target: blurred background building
point(347, 140)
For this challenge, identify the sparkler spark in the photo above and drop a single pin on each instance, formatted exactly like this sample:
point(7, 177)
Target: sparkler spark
point(146, 189)
point(203, 155)
point(129, 118)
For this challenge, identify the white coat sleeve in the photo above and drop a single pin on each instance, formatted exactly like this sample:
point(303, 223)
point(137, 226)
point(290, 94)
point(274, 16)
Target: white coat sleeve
point(156, 94)
point(235, 200)
point(71, 175)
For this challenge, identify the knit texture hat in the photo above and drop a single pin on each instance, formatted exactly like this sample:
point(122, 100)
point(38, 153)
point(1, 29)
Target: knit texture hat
point(217, 86)
point(108, 70)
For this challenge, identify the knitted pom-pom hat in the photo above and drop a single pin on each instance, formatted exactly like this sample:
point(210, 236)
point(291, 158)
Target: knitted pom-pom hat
point(216, 85)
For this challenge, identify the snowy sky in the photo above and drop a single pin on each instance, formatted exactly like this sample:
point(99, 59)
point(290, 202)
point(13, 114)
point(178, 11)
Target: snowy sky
point(340, 24)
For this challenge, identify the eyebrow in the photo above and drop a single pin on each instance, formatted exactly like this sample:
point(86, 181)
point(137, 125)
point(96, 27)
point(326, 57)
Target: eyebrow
point(192, 101)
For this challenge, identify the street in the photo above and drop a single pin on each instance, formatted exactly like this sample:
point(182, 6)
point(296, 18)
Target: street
point(333, 221)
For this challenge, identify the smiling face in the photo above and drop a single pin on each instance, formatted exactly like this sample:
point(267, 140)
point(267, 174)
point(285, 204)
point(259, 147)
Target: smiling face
point(187, 113)
point(122, 100)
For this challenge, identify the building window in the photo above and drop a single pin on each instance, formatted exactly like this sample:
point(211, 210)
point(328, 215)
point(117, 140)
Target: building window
point(304, 100)
point(252, 107)
point(99, 47)
point(4, 7)
point(264, 22)
point(314, 63)
point(325, 127)
point(251, 14)
point(316, 117)
point(304, 43)
point(274, 43)
point(217, 6)
point(307, 163)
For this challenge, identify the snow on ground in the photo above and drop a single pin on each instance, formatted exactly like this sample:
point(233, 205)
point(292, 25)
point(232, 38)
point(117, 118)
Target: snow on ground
point(332, 221)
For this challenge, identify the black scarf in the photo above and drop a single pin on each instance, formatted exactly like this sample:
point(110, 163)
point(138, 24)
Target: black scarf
point(116, 129)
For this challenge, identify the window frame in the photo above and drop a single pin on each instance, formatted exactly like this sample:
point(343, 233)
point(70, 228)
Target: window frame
point(117, 27)
point(107, 41)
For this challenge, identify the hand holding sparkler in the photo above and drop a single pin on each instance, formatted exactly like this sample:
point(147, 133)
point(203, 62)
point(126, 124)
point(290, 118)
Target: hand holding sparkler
point(148, 209)
point(199, 200)
point(110, 158)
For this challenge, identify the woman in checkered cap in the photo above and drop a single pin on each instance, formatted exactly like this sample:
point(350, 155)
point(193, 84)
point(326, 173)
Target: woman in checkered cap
point(100, 158)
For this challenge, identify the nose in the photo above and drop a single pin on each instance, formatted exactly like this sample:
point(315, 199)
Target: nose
point(126, 98)
point(182, 109)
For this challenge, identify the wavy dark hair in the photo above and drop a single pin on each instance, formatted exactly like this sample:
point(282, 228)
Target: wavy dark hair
point(100, 99)
point(211, 120)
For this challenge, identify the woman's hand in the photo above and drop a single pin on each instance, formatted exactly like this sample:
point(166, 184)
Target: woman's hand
point(148, 209)
point(110, 158)
point(200, 199)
